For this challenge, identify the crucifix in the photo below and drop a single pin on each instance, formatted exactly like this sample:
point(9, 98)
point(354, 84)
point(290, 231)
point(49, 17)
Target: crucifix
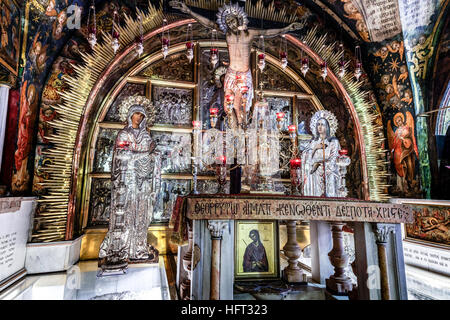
point(232, 21)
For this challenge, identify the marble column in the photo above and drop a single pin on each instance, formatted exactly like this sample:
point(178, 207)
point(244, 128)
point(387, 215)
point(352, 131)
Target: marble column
point(216, 228)
point(292, 273)
point(382, 232)
point(4, 96)
point(338, 283)
point(185, 286)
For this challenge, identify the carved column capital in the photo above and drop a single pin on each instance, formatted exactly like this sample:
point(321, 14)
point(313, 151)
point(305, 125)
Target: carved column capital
point(382, 231)
point(216, 228)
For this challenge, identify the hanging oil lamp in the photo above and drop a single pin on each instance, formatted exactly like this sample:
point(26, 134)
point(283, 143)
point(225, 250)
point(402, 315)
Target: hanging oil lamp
point(262, 54)
point(214, 52)
point(165, 40)
point(189, 43)
point(341, 63)
point(92, 27)
point(140, 38)
point(358, 64)
point(283, 52)
point(115, 45)
point(305, 66)
point(324, 71)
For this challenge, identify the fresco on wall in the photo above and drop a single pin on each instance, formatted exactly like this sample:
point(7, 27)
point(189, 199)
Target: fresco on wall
point(422, 27)
point(10, 35)
point(44, 36)
point(431, 223)
point(389, 71)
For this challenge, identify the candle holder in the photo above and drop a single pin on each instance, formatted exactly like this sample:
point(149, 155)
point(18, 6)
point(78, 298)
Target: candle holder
point(292, 132)
point(197, 126)
point(214, 112)
point(296, 176)
point(280, 118)
point(221, 172)
point(343, 161)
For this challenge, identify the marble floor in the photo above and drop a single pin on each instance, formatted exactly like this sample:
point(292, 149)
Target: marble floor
point(149, 282)
point(142, 282)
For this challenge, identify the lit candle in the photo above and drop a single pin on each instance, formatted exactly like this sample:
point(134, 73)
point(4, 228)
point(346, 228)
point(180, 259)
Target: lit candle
point(197, 124)
point(222, 159)
point(292, 128)
point(295, 163)
point(229, 97)
point(280, 116)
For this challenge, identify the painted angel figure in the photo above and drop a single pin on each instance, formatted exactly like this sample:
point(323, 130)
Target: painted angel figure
point(403, 148)
point(232, 20)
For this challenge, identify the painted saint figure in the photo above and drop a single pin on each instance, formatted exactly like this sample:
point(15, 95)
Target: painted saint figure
point(322, 151)
point(255, 258)
point(232, 20)
point(403, 148)
point(135, 179)
point(27, 117)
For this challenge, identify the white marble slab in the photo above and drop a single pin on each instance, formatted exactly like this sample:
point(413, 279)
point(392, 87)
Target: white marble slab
point(53, 256)
point(427, 257)
point(14, 234)
point(80, 282)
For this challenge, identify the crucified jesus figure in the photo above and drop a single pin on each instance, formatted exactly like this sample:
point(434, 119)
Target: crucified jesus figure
point(232, 20)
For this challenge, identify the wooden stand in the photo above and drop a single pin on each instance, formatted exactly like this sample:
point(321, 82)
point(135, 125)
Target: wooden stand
point(292, 273)
point(339, 283)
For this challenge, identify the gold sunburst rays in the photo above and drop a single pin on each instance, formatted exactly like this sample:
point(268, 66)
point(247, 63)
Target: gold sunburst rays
point(257, 10)
point(52, 217)
point(372, 133)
